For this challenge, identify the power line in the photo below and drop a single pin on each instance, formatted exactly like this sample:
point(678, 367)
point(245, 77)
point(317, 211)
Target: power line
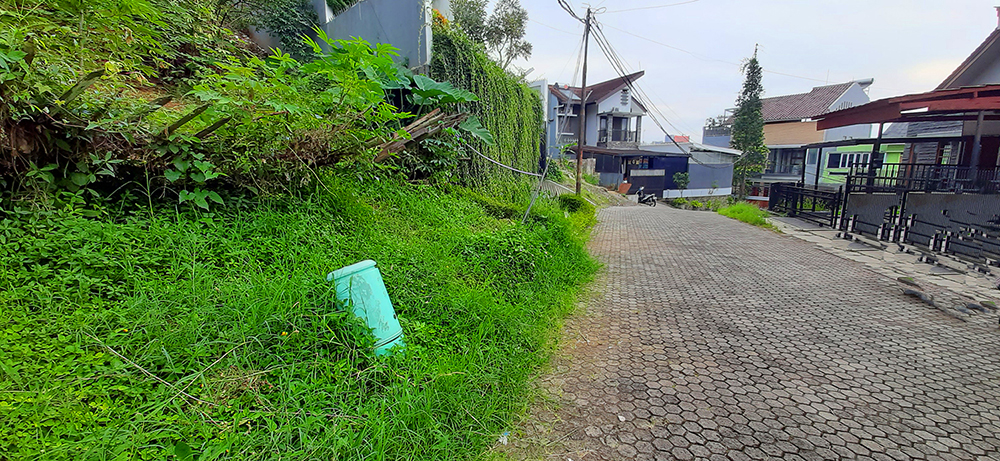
point(619, 68)
point(707, 58)
point(553, 28)
point(616, 63)
point(650, 7)
point(643, 89)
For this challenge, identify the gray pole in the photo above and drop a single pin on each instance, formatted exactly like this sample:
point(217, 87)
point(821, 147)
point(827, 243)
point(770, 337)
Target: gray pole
point(976, 149)
point(582, 123)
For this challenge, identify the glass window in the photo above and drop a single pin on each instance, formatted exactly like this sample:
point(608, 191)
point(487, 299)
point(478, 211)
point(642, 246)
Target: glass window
point(812, 156)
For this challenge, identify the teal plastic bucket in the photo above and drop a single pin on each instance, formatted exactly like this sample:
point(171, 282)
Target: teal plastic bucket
point(361, 287)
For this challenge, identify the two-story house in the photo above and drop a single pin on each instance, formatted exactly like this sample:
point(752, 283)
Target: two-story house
point(789, 126)
point(614, 117)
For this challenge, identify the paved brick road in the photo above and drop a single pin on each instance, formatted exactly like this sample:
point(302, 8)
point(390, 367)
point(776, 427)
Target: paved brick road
point(717, 340)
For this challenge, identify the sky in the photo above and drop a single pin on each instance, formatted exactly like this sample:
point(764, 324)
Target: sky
point(691, 51)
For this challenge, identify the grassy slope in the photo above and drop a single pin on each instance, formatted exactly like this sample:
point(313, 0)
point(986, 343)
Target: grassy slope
point(750, 214)
point(232, 308)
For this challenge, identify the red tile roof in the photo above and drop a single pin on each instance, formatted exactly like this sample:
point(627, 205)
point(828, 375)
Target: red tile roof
point(802, 105)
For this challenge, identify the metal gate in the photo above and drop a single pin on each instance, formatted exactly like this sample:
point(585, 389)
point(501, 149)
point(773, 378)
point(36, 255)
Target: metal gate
point(810, 203)
point(944, 208)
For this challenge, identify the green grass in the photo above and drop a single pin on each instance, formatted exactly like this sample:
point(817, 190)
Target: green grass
point(747, 213)
point(232, 308)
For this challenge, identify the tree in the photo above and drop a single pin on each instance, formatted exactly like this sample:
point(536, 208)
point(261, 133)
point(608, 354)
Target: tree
point(748, 126)
point(505, 32)
point(502, 33)
point(471, 16)
point(682, 180)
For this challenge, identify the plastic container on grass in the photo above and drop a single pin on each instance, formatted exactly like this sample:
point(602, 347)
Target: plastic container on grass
point(360, 286)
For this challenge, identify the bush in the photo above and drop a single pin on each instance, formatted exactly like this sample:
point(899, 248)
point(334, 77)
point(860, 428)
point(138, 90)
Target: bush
point(574, 203)
point(748, 213)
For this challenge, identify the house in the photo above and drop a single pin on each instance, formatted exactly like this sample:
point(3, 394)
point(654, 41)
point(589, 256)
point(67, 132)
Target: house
point(614, 116)
point(942, 139)
point(709, 168)
point(613, 131)
point(790, 126)
point(943, 194)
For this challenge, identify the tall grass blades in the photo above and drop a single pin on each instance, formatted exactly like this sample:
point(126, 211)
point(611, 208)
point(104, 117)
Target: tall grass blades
point(215, 336)
point(748, 213)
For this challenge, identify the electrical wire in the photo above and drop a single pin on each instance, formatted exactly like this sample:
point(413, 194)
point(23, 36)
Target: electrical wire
point(651, 7)
point(553, 28)
point(620, 70)
point(643, 89)
point(616, 63)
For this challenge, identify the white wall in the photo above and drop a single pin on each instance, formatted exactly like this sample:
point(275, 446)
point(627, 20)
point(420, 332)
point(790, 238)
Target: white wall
point(854, 96)
point(614, 103)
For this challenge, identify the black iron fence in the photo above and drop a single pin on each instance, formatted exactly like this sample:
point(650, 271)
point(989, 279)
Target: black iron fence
point(945, 208)
point(810, 203)
point(909, 177)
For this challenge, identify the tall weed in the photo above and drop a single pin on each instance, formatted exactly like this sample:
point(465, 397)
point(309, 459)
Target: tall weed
point(139, 336)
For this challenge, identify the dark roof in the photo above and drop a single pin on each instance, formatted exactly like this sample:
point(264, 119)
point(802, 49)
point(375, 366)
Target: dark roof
point(632, 152)
point(597, 91)
point(972, 61)
point(803, 105)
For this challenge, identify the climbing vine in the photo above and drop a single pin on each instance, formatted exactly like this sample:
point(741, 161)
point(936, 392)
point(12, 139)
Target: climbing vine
point(507, 107)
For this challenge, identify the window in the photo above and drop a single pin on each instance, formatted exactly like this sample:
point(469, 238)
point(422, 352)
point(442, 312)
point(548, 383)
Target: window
point(847, 158)
point(639, 163)
point(811, 156)
point(834, 160)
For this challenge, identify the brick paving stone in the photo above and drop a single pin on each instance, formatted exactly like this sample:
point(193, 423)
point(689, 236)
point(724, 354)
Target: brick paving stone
point(708, 338)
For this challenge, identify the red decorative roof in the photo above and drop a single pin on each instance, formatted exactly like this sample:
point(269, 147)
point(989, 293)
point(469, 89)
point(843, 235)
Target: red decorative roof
point(597, 91)
point(938, 105)
point(803, 105)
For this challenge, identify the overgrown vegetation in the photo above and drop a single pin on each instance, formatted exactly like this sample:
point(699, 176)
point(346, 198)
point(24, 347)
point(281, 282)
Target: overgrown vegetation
point(135, 336)
point(710, 204)
point(172, 198)
point(253, 122)
point(748, 213)
point(510, 110)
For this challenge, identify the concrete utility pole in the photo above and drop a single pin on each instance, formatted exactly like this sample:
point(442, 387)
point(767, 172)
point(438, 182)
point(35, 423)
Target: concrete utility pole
point(582, 122)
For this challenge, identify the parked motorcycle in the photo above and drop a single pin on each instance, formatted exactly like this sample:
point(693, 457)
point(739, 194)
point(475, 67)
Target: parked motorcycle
point(648, 199)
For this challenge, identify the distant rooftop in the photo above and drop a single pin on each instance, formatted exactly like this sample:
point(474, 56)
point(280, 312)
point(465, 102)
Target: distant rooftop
point(597, 91)
point(803, 105)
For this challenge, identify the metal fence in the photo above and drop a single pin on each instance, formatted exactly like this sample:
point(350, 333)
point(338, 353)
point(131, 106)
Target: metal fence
point(900, 177)
point(810, 203)
point(944, 208)
point(616, 136)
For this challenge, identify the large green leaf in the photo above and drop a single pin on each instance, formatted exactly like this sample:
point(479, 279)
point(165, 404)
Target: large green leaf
point(473, 126)
point(442, 92)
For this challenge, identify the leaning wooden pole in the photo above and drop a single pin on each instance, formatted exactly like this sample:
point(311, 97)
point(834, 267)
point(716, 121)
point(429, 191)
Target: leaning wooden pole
point(582, 121)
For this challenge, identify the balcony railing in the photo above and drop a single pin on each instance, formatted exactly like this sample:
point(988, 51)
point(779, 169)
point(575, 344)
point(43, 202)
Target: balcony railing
point(898, 177)
point(616, 136)
point(795, 170)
